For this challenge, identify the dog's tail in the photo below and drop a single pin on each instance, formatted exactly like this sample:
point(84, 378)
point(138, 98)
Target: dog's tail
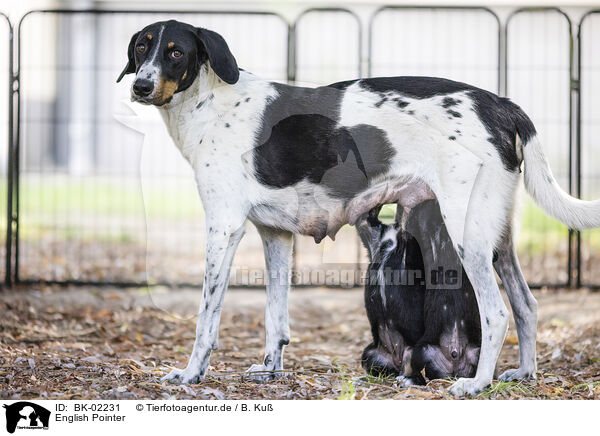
point(542, 186)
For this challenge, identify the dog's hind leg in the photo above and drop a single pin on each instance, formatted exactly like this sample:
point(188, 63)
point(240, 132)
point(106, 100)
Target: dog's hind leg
point(221, 245)
point(474, 242)
point(477, 261)
point(277, 246)
point(524, 307)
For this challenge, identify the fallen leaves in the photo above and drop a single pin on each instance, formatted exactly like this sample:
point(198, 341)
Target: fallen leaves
point(109, 347)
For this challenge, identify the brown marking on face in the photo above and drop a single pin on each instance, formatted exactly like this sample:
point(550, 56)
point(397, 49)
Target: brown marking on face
point(184, 75)
point(165, 90)
point(171, 44)
point(149, 36)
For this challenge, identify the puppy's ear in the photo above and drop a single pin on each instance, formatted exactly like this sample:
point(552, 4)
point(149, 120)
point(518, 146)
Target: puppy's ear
point(130, 67)
point(221, 60)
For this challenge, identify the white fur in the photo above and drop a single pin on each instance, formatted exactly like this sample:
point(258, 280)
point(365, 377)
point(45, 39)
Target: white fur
point(541, 185)
point(466, 175)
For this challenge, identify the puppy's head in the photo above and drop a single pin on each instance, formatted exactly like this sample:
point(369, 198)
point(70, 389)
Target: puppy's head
point(456, 349)
point(167, 57)
point(377, 237)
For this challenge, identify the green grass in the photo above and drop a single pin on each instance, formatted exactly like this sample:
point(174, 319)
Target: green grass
point(505, 389)
point(348, 391)
point(71, 201)
point(111, 196)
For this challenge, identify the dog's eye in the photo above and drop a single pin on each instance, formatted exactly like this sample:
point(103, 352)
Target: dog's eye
point(141, 48)
point(176, 54)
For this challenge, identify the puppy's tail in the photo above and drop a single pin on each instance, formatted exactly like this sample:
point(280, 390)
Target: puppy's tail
point(542, 186)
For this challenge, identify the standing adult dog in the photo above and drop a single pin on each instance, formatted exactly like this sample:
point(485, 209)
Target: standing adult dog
point(304, 160)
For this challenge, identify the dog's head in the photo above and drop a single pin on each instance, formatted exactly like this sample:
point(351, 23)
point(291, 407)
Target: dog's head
point(167, 57)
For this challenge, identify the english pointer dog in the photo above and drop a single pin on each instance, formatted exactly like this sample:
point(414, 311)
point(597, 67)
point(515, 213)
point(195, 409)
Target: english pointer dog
point(309, 160)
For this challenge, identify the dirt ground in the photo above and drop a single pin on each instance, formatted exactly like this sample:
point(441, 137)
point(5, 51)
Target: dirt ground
point(105, 343)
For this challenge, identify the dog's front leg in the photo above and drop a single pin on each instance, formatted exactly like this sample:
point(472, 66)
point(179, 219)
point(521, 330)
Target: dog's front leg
point(221, 244)
point(277, 246)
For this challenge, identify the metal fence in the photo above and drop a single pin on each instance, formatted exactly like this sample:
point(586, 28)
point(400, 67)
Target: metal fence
point(91, 199)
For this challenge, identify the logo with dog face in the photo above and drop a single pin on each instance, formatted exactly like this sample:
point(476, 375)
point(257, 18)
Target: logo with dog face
point(26, 415)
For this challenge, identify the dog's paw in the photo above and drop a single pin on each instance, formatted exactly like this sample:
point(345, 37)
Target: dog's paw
point(182, 376)
point(405, 381)
point(465, 386)
point(517, 374)
point(261, 374)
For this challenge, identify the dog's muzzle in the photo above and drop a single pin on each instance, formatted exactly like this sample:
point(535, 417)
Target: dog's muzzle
point(142, 87)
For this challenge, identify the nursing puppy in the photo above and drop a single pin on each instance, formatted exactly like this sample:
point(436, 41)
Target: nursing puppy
point(418, 321)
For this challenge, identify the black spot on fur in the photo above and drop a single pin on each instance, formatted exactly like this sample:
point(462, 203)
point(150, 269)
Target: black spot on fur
point(227, 125)
point(452, 138)
point(414, 87)
point(247, 99)
point(461, 251)
point(411, 112)
point(454, 113)
point(237, 104)
point(300, 140)
point(502, 118)
point(199, 105)
point(402, 104)
point(381, 102)
point(449, 102)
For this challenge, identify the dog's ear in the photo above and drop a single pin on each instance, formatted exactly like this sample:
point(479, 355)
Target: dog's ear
point(130, 67)
point(221, 60)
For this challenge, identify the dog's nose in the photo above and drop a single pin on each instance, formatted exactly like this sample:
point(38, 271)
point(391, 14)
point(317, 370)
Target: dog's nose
point(143, 87)
point(454, 354)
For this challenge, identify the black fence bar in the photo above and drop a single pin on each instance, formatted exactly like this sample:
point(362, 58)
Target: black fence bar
point(574, 266)
point(17, 112)
point(571, 258)
point(578, 128)
point(436, 8)
point(10, 159)
point(346, 11)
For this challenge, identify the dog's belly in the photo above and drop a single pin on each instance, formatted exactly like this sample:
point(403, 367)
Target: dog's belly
point(310, 209)
point(304, 208)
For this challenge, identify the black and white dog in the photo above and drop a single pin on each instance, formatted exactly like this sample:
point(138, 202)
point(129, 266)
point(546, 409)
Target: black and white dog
point(421, 318)
point(309, 160)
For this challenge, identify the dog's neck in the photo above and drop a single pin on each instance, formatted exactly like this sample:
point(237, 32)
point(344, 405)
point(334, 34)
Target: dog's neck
point(196, 110)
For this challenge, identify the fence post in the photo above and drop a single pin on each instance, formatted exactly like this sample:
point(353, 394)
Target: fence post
point(9, 160)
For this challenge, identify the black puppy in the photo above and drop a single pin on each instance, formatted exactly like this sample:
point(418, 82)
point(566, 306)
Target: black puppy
point(394, 298)
point(420, 303)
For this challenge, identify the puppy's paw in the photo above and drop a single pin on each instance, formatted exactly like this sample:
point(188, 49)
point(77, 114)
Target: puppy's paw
point(465, 386)
point(517, 374)
point(261, 374)
point(405, 381)
point(183, 376)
